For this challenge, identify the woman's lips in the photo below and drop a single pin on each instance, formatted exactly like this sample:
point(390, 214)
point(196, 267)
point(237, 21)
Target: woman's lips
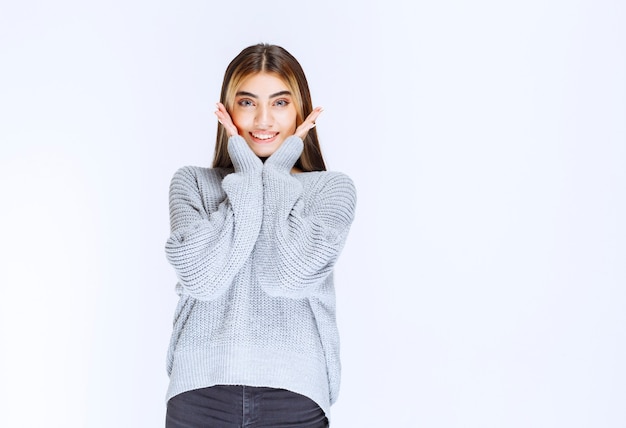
point(263, 137)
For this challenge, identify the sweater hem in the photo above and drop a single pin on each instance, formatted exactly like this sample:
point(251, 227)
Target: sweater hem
point(231, 365)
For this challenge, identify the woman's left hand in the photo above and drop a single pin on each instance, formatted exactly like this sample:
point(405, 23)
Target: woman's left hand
point(308, 124)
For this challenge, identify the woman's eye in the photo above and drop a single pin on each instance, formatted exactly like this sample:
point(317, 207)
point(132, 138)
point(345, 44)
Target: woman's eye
point(281, 103)
point(245, 103)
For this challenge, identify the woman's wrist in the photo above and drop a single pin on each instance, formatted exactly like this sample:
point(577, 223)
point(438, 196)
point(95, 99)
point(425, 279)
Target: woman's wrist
point(287, 154)
point(242, 157)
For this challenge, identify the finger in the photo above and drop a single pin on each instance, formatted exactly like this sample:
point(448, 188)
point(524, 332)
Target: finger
point(224, 118)
point(221, 111)
point(312, 117)
point(219, 118)
point(309, 122)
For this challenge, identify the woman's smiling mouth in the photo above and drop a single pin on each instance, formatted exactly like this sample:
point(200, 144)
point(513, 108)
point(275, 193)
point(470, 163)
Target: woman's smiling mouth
point(263, 137)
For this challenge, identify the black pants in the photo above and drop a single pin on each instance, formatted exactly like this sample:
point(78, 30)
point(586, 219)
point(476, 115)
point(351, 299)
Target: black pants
point(243, 406)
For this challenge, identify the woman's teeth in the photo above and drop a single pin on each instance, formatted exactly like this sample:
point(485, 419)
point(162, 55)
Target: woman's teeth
point(263, 136)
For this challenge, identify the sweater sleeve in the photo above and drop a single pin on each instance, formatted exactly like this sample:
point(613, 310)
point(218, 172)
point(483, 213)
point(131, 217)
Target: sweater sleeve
point(301, 245)
point(207, 248)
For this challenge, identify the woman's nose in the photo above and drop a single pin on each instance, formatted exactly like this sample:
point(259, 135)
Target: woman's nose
point(263, 118)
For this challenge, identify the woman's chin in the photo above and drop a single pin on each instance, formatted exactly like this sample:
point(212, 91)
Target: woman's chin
point(263, 152)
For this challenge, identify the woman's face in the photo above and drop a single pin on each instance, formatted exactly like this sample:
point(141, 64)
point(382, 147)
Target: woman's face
point(264, 112)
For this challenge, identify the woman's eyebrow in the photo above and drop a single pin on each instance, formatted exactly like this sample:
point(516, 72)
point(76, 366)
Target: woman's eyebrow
point(280, 94)
point(246, 94)
point(251, 95)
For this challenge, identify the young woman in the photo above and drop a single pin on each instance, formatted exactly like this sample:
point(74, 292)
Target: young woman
point(253, 243)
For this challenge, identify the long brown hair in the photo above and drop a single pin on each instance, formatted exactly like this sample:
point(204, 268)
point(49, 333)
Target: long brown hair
point(269, 59)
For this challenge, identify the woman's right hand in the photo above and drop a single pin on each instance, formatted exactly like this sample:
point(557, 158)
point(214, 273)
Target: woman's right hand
point(224, 118)
point(242, 156)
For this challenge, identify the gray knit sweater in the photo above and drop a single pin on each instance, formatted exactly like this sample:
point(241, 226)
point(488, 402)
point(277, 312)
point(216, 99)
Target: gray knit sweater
point(254, 251)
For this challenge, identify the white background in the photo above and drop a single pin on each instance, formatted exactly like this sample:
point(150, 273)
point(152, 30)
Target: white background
point(483, 282)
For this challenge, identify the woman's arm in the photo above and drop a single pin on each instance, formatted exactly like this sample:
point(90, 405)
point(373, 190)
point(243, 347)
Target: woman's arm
point(300, 249)
point(207, 249)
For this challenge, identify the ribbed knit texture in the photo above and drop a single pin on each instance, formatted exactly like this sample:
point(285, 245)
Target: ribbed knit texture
point(254, 250)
